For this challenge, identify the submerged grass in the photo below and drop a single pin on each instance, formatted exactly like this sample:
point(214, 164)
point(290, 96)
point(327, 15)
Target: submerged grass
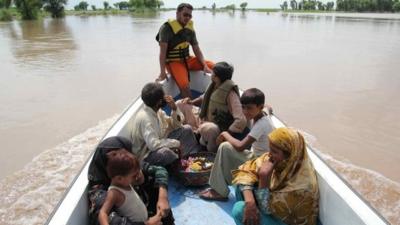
point(267, 10)
point(8, 14)
point(308, 11)
point(139, 11)
point(5, 15)
point(96, 12)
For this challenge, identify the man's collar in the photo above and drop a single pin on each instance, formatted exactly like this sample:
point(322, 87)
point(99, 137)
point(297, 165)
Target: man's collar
point(150, 110)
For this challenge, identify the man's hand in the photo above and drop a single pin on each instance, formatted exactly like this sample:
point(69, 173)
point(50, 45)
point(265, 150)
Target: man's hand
point(162, 76)
point(206, 69)
point(178, 151)
point(270, 110)
point(171, 102)
point(251, 215)
point(187, 100)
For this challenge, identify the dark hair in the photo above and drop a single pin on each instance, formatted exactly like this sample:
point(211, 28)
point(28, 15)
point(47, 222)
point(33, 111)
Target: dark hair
point(152, 93)
point(121, 163)
point(184, 5)
point(223, 71)
point(252, 96)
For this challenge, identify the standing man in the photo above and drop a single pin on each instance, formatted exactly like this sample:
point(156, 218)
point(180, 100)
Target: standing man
point(174, 38)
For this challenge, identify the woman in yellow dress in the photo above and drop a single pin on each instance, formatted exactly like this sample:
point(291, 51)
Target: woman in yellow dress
point(279, 187)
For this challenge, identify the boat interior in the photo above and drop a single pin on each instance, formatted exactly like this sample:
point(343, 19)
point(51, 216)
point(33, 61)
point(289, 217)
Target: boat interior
point(186, 205)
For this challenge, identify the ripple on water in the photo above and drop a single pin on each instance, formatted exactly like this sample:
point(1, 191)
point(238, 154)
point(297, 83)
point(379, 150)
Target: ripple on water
point(29, 196)
point(382, 193)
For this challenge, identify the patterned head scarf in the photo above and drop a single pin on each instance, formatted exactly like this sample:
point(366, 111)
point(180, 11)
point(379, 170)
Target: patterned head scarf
point(292, 144)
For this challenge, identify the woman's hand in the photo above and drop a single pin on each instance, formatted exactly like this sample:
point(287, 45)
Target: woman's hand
point(251, 215)
point(264, 173)
point(266, 168)
point(163, 207)
point(154, 220)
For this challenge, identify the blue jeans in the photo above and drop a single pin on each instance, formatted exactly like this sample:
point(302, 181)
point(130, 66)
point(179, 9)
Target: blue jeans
point(238, 210)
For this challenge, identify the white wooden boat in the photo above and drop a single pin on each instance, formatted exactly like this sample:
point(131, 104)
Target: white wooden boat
point(339, 203)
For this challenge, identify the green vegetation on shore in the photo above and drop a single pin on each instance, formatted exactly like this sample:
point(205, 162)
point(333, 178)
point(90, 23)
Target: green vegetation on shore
point(7, 14)
point(34, 9)
point(233, 7)
point(368, 5)
point(267, 10)
point(307, 5)
point(96, 12)
point(342, 5)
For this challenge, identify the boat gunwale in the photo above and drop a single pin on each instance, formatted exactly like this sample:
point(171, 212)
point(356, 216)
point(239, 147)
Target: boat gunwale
point(346, 184)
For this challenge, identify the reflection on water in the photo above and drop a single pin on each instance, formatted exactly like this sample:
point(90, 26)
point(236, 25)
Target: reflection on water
point(243, 14)
point(148, 15)
point(332, 75)
point(44, 43)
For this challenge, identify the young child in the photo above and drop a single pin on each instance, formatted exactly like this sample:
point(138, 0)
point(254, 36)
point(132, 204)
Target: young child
point(233, 152)
point(124, 171)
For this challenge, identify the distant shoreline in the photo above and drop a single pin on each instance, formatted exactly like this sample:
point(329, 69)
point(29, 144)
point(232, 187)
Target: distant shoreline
point(14, 14)
point(339, 14)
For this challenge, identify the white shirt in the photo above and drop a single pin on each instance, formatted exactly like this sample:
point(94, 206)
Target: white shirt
point(150, 130)
point(259, 131)
point(133, 206)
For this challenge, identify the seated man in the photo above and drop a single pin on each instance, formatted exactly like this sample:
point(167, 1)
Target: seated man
point(175, 37)
point(220, 110)
point(157, 138)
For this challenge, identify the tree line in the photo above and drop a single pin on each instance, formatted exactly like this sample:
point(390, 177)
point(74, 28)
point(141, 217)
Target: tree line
point(30, 9)
point(123, 5)
point(232, 7)
point(368, 5)
point(308, 5)
point(344, 5)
